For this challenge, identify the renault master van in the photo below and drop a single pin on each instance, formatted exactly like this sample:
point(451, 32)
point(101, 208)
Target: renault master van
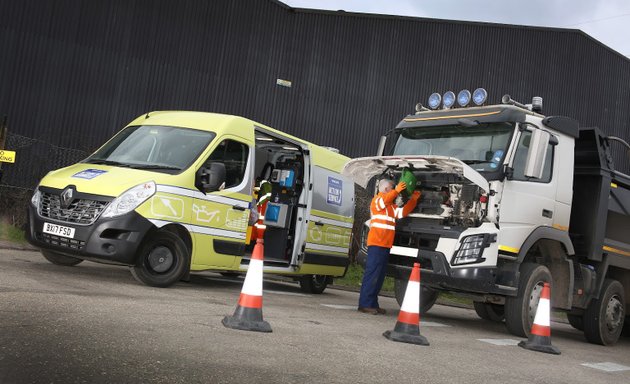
point(172, 193)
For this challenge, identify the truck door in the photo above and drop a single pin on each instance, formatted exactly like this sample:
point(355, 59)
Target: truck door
point(526, 203)
point(219, 219)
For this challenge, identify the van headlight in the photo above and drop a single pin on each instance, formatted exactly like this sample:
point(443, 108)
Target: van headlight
point(130, 200)
point(37, 195)
point(471, 250)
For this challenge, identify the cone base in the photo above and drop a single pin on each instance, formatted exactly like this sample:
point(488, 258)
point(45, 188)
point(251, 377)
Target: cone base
point(246, 325)
point(406, 338)
point(539, 344)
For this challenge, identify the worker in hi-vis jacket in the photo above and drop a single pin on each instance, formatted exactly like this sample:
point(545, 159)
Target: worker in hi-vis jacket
point(383, 215)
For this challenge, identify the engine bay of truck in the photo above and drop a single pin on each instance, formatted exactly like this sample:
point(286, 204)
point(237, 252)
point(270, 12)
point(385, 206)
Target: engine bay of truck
point(447, 199)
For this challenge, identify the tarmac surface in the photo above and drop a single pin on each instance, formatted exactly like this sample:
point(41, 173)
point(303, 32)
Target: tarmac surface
point(94, 323)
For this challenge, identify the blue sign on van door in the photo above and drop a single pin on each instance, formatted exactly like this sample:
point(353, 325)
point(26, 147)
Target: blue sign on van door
point(335, 188)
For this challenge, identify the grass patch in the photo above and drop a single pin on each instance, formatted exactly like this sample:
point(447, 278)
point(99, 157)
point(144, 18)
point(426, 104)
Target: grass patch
point(354, 276)
point(10, 233)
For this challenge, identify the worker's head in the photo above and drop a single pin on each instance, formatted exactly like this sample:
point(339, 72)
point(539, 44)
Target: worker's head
point(385, 185)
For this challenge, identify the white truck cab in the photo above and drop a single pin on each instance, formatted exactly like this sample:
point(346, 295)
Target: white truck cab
point(504, 209)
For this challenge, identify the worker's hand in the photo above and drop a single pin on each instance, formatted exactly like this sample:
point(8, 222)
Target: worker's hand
point(415, 195)
point(401, 186)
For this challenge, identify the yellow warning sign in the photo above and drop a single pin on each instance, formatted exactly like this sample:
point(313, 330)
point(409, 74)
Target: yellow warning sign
point(7, 156)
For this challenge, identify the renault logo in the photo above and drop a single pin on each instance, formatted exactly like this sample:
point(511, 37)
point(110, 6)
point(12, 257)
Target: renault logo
point(66, 197)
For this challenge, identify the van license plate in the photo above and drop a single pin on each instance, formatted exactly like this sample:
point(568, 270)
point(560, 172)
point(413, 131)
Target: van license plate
point(59, 230)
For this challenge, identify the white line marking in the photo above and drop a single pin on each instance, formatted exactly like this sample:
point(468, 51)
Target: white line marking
point(339, 306)
point(431, 324)
point(287, 293)
point(500, 341)
point(607, 366)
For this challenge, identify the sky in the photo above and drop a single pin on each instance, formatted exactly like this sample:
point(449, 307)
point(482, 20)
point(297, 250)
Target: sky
point(604, 20)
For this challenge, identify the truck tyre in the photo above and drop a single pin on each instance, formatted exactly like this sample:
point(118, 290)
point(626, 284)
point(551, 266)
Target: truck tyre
point(314, 283)
point(490, 311)
point(59, 259)
point(576, 321)
point(162, 260)
point(604, 317)
point(521, 310)
point(428, 296)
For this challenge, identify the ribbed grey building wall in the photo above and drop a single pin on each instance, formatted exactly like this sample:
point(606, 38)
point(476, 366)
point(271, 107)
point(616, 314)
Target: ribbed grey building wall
point(73, 72)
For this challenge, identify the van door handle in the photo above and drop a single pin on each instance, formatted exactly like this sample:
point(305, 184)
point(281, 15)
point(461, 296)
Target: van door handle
point(319, 223)
point(238, 208)
point(547, 213)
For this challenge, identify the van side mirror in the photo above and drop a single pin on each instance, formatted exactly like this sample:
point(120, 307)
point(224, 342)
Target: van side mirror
point(536, 154)
point(210, 177)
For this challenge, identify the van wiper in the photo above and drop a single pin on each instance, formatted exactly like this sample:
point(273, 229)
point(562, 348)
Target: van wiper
point(107, 162)
point(154, 166)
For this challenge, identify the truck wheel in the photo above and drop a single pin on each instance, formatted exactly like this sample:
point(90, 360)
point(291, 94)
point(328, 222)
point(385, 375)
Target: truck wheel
point(576, 321)
point(428, 296)
point(162, 261)
point(314, 283)
point(521, 310)
point(59, 259)
point(490, 311)
point(604, 317)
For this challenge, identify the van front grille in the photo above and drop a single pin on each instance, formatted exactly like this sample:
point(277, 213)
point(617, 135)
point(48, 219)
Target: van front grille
point(79, 211)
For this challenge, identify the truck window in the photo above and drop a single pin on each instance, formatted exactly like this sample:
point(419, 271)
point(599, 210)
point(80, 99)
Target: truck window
point(521, 156)
point(234, 155)
point(482, 147)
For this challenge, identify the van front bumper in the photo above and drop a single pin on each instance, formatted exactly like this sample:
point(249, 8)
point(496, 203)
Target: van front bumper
point(111, 241)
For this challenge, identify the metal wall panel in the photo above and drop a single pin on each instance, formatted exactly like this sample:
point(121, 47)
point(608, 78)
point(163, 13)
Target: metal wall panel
point(73, 72)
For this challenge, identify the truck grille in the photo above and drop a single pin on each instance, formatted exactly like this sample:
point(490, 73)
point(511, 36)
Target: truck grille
point(80, 211)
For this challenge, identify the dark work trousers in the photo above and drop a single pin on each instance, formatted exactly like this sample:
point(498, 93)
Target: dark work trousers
point(373, 277)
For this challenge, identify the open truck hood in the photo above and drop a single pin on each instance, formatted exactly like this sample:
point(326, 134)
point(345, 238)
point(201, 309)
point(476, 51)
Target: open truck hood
point(363, 169)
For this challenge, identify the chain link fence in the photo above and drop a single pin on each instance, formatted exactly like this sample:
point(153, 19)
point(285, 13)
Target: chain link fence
point(34, 158)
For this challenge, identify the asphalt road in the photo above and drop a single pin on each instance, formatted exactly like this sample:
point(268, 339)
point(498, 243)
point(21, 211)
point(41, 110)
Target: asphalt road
point(94, 324)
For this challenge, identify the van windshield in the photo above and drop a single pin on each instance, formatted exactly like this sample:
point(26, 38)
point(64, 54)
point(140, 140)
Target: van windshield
point(483, 146)
point(155, 147)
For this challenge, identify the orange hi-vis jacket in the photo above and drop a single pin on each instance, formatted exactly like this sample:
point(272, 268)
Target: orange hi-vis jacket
point(383, 214)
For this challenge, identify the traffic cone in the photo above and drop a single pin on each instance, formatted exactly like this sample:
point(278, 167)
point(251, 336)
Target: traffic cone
point(540, 336)
point(248, 314)
point(407, 329)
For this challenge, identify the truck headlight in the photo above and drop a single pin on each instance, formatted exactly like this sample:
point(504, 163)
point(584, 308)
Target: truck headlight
point(130, 200)
point(36, 197)
point(471, 250)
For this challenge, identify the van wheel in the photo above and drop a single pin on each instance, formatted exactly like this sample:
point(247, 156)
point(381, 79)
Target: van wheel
point(59, 259)
point(314, 283)
point(520, 310)
point(490, 311)
point(162, 260)
point(428, 296)
point(604, 317)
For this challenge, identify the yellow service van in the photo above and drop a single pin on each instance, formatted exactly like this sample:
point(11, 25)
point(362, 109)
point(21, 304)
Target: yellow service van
point(172, 193)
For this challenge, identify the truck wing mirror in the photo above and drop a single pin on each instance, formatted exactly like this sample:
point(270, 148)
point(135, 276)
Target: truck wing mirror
point(536, 154)
point(210, 177)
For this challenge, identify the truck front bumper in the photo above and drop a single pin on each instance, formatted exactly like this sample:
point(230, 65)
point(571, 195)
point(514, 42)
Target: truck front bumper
point(111, 241)
point(437, 273)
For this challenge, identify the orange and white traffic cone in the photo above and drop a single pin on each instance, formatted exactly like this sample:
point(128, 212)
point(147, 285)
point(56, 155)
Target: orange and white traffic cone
point(248, 314)
point(540, 336)
point(407, 328)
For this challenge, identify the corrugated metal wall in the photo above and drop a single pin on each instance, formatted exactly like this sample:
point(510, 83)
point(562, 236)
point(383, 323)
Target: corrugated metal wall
point(73, 72)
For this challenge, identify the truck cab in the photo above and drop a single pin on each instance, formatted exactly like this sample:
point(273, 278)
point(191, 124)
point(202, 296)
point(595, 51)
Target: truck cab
point(172, 193)
point(497, 208)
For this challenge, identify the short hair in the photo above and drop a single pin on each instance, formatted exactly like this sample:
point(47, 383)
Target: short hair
point(384, 183)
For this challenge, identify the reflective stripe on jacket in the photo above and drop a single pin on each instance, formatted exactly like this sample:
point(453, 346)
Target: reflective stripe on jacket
point(383, 215)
